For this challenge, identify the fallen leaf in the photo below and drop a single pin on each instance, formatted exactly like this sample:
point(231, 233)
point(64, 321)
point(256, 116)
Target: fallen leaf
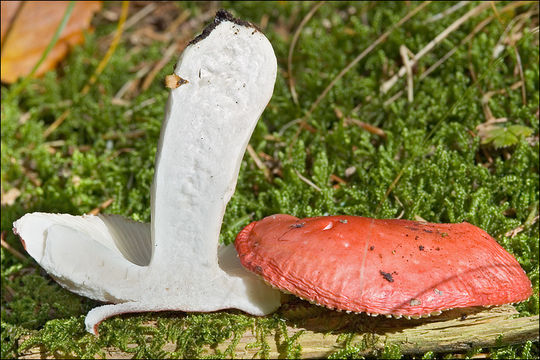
point(29, 28)
point(502, 137)
point(9, 10)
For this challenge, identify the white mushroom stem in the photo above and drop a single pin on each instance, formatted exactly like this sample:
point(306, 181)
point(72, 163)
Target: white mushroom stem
point(174, 263)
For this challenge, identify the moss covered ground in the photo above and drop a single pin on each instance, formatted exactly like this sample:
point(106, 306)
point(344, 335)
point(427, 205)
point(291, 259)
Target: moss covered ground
point(425, 158)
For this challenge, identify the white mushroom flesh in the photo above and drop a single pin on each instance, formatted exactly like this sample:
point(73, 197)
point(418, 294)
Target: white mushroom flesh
point(174, 263)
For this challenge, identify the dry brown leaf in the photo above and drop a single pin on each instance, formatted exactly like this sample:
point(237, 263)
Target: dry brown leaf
point(9, 10)
point(32, 27)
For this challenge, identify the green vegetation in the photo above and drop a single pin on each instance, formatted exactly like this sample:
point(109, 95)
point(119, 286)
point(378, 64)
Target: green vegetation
point(431, 162)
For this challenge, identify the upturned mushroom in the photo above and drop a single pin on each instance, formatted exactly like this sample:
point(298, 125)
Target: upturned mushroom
point(225, 79)
point(382, 266)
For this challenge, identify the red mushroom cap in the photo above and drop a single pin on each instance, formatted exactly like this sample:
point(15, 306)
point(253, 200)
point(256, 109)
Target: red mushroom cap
point(378, 266)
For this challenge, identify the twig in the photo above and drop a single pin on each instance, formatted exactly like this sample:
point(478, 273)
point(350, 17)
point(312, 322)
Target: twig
point(264, 21)
point(438, 39)
point(303, 126)
point(56, 123)
point(393, 98)
point(293, 44)
point(488, 158)
point(130, 135)
point(531, 219)
point(101, 207)
point(32, 176)
point(487, 111)
point(512, 233)
point(496, 52)
point(404, 51)
point(492, 65)
point(511, 41)
point(339, 114)
point(144, 103)
point(259, 163)
point(11, 293)
point(494, 8)
point(160, 64)
point(499, 46)
point(139, 15)
point(338, 180)
point(477, 29)
point(294, 139)
point(135, 18)
point(390, 188)
point(131, 83)
point(112, 48)
point(288, 125)
point(447, 12)
point(171, 50)
point(307, 181)
point(242, 221)
point(368, 127)
point(8, 247)
point(171, 29)
point(55, 143)
point(402, 207)
point(439, 62)
point(364, 53)
point(520, 68)
point(119, 152)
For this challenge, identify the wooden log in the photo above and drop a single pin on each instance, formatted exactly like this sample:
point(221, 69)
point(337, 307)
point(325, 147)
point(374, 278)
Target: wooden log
point(323, 332)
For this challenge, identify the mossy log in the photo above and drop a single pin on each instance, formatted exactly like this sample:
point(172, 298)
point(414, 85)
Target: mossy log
point(324, 332)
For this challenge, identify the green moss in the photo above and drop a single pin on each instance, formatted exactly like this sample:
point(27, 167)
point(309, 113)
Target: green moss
point(447, 174)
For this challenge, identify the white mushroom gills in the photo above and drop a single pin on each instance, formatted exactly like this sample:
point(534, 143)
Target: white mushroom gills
point(174, 263)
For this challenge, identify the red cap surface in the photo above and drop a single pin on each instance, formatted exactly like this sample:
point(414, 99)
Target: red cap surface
point(381, 266)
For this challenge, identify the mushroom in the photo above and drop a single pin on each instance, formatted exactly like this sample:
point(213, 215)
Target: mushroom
point(225, 79)
point(382, 266)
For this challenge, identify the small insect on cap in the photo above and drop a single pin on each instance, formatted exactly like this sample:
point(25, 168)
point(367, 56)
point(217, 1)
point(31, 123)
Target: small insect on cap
point(391, 267)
